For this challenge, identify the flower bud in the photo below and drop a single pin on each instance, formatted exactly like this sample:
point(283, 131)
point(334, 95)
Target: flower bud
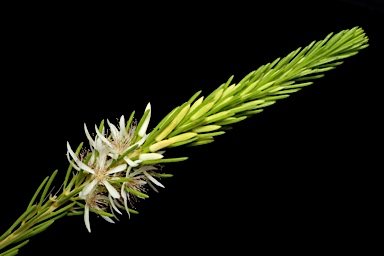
point(159, 145)
point(182, 137)
point(207, 128)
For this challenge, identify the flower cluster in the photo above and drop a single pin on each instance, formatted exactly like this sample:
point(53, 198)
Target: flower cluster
point(115, 175)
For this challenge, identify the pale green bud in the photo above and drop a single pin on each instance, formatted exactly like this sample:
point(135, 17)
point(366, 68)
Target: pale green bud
point(196, 104)
point(173, 124)
point(159, 145)
point(182, 137)
point(207, 128)
point(202, 111)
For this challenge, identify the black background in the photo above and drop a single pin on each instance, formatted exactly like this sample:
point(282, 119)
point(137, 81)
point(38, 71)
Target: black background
point(299, 177)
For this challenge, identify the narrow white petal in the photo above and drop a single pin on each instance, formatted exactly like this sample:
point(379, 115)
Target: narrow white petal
point(128, 171)
point(153, 179)
point(114, 130)
point(92, 160)
point(142, 140)
point(153, 187)
point(91, 141)
point(119, 168)
point(71, 163)
point(107, 219)
point(148, 168)
point(103, 138)
point(108, 163)
point(124, 196)
point(123, 131)
point(78, 162)
point(113, 204)
point(144, 127)
point(130, 162)
point(111, 189)
point(150, 156)
point(86, 218)
point(88, 189)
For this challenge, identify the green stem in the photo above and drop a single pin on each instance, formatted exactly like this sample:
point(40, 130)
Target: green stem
point(36, 219)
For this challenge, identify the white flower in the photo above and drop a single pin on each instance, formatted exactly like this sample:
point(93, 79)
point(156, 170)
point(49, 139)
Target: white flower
point(99, 171)
point(140, 177)
point(121, 140)
point(95, 201)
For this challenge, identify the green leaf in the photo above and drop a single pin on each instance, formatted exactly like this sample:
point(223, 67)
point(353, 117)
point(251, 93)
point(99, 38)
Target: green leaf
point(177, 144)
point(14, 250)
point(129, 122)
point(211, 134)
point(17, 222)
point(166, 160)
point(47, 187)
point(200, 142)
point(136, 193)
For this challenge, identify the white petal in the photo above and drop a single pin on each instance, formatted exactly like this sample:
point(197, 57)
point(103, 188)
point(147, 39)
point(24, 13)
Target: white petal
point(142, 140)
point(144, 126)
point(153, 179)
point(108, 163)
point(92, 160)
point(107, 219)
point(148, 168)
point(114, 130)
point(128, 171)
point(153, 187)
point(126, 206)
point(113, 204)
point(150, 156)
point(130, 162)
point(103, 138)
point(86, 218)
point(91, 141)
point(78, 162)
point(119, 168)
point(88, 189)
point(123, 131)
point(111, 189)
point(71, 163)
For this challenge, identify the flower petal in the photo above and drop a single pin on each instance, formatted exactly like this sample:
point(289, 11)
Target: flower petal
point(153, 187)
point(123, 131)
point(113, 204)
point(144, 126)
point(130, 162)
point(107, 219)
point(86, 218)
point(142, 140)
point(91, 141)
point(119, 168)
point(153, 179)
point(88, 189)
point(114, 131)
point(71, 163)
point(103, 138)
point(124, 195)
point(78, 162)
point(111, 189)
